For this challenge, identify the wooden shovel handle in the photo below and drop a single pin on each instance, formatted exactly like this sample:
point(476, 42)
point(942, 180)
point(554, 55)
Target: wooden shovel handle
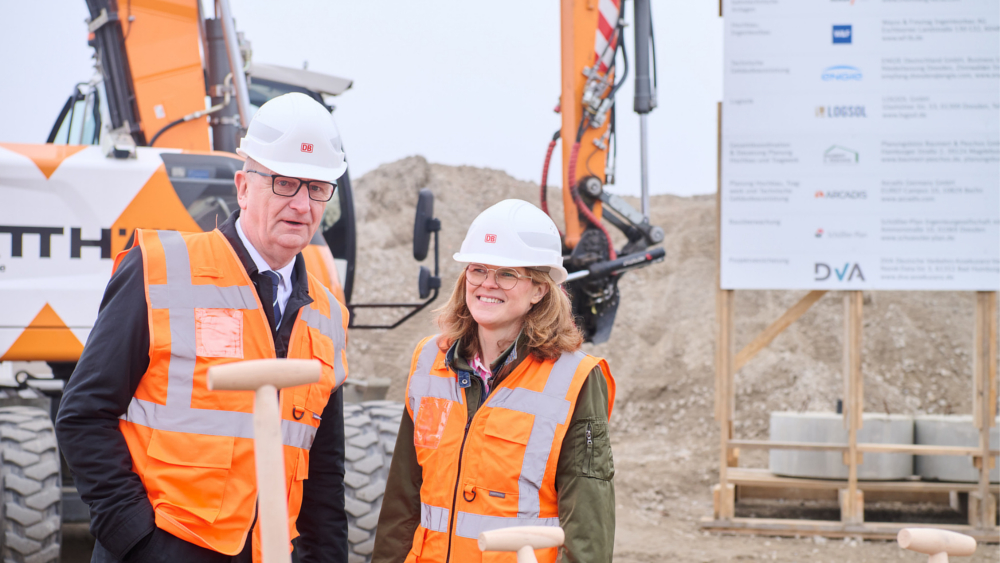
point(252, 374)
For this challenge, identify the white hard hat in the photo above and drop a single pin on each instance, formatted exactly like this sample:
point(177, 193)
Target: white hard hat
point(294, 135)
point(514, 233)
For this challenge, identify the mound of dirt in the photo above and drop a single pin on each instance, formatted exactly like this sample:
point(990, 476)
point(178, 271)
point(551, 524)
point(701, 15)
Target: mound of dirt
point(917, 349)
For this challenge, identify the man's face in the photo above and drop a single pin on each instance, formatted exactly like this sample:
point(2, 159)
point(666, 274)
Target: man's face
point(279, 227)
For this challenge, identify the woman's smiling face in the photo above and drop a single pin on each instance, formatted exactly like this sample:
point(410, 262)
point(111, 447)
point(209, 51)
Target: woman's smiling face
point(497, 309)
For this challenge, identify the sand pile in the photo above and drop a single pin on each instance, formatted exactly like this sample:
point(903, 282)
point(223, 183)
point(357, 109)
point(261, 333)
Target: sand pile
point(917, 355)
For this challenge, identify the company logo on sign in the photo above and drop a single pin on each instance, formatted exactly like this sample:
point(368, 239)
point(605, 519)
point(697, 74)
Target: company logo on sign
point(838, 155)
point(848, 272)
point(307, 147)
point(842, 34)
point(842, 194)
point(491, 239)
point(819, 233)
point(841, 73)
point(835, 112)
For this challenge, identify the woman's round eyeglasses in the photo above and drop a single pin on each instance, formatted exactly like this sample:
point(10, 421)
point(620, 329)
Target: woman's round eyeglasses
point(505, 278)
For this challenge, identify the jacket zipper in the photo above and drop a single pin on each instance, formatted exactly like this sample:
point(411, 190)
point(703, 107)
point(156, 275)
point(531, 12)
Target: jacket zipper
point(458, 481)
point(590, 449)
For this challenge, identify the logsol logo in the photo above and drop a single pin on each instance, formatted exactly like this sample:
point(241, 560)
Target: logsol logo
point(847, 273)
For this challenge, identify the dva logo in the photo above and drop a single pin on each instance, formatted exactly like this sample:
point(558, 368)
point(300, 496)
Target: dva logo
point(823, 272)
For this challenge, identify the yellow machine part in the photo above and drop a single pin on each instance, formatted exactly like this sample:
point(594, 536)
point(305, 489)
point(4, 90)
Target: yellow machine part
point(162, 45)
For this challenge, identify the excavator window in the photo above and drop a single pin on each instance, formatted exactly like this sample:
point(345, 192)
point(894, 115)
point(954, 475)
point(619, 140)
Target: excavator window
point(262, 90)
point(204, 184)
point(79, 122)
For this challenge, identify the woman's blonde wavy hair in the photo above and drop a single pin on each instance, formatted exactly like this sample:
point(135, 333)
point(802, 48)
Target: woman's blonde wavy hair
point(548, 328)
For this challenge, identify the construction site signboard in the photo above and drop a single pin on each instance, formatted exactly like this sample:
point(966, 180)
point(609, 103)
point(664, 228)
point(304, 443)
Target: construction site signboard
point(861, 145)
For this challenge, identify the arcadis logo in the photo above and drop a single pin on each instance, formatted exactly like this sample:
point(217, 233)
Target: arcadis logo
point(848, 272)
point(841, 194)
point(842, 34)
point(841, 73)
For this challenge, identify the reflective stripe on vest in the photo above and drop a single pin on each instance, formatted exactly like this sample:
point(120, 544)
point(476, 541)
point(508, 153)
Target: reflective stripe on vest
point(180, 297)
point(332, 329)
point(471, 525)
point(423, 384)
point(434, 518)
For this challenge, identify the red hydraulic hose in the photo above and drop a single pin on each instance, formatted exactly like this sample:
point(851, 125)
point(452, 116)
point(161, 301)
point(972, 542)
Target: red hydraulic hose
point(573, 153)
point(545, 176)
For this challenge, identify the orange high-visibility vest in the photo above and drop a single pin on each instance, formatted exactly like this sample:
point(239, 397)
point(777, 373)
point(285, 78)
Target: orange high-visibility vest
point(193, 448)
point(500, 470)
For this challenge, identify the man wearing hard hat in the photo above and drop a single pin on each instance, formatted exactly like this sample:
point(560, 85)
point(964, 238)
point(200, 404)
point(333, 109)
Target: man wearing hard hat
point(167, 466)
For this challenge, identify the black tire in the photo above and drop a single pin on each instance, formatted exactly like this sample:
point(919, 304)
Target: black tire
point(32, 493)
point(370, 430)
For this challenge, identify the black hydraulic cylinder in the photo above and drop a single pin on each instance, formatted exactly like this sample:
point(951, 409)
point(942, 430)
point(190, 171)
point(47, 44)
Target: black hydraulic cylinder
point(224, 130)
point(639, 259)
point(110, 45)
point(645, 97)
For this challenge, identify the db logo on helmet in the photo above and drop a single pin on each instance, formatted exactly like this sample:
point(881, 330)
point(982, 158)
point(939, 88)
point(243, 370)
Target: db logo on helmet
point(307, 147)
point(491, 239)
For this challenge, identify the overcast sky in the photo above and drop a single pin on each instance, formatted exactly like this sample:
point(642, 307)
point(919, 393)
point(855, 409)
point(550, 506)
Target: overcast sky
point(457, 81)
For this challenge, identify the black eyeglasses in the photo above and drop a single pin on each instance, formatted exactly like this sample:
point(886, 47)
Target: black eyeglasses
point(288, 186)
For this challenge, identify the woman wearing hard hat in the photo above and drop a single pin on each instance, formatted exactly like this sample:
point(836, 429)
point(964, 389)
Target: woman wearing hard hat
point(506, 421)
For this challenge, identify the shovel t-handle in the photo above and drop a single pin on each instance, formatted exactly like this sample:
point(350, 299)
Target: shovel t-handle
point(265, 377)
point(522, 539)
point(938, 544)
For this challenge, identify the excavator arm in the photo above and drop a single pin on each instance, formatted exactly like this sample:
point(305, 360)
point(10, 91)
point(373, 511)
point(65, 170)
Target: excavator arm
point(594, 66)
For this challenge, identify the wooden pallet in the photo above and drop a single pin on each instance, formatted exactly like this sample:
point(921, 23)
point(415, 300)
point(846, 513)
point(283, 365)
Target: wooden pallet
point(831, 529)
point(760, 483)
point(745, 484)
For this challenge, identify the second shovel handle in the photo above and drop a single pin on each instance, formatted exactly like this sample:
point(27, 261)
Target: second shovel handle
point(252, 374)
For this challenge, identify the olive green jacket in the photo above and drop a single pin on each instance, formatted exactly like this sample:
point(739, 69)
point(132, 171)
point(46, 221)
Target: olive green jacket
point(584, 474)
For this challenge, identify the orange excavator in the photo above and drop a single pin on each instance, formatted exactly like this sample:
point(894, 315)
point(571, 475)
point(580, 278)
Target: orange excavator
point(149, 142)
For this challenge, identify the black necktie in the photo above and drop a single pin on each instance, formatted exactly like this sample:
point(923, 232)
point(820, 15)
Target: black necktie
point(275, 278)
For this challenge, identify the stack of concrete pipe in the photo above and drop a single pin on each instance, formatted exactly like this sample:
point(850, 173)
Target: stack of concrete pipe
point(950, 430)
point(828, 428)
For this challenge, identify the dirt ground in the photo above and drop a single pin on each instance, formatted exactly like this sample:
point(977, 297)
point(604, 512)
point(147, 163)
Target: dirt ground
point(917, 357)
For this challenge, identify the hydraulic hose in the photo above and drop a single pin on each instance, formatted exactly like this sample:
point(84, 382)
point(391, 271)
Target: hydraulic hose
point(164, 130)
point(545, 173)
point(197, 114)
point(580, 205)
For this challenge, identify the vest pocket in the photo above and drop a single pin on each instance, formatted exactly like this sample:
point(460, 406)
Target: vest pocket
point(218, 333)
point(431, 421)
point(504, 448)
point(509, 425)
point(188, 472)
point(323, 350)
